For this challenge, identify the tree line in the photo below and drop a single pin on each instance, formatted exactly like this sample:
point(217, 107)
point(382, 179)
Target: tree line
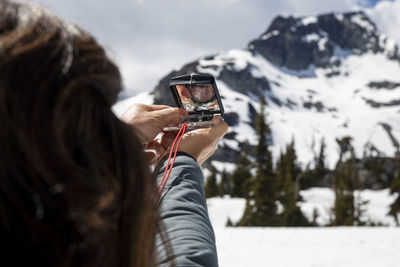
point(272, 191)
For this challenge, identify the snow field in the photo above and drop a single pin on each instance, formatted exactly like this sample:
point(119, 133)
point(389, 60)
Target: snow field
point(307, 247)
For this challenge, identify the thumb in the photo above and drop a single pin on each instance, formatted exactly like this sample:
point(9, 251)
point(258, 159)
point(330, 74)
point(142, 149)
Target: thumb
point(219, 128)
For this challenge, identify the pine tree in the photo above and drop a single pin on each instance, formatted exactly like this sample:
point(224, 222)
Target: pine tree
point(288, 172)
point(228, 223)
point(311, 177)
point(347, 209)
point(315, 216)
point(211, 188)
point(224, 186)
point(395, 206)
point(320, 165)
point(241, 177)
point(261, 206)
point(344, 200)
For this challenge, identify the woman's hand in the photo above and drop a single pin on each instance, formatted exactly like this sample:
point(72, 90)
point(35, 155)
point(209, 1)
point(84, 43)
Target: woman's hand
point(201, 143)
point(149, 121)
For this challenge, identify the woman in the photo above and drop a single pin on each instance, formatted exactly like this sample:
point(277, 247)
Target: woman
point(75, 188)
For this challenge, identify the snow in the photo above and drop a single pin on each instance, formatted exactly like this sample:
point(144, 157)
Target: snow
point(322, 199)
point(308, 247)
point(389, 45)
point(142, 98)
point(317, 246)
point(232, 57)
point(309, 20)
point(358, 19)
point(221, 166)
point(322, 43)
point(269, 35)
point(339, 16)
point(220, 209)
point(313, 37)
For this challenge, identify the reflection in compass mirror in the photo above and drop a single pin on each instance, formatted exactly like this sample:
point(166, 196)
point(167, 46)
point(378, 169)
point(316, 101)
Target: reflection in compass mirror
point(198, 97)
point(202, 92)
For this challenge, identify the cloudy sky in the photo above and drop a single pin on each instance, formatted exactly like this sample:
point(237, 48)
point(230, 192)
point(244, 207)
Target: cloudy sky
point(150, 38)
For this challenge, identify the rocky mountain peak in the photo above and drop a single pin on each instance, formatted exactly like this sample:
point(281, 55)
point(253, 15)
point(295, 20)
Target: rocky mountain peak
point(297, 43)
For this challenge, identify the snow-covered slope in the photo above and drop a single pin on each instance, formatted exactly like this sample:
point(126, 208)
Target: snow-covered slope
point(311, 108)
point(328, 76)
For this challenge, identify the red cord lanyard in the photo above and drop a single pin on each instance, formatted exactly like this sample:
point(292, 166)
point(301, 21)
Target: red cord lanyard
point(168, 168)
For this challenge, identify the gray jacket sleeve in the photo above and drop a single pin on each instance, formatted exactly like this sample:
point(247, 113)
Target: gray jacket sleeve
point(183, 211)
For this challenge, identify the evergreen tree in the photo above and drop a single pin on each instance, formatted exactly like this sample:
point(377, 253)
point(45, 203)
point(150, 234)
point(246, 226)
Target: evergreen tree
point(343, 185)
point(241, 177)
point(228, 223)
point(288, 172)
point(315, 216)
point(395, 206)
point(347, 210)
point(311, 177)
point(211, 188)
point(375, 167)
point(320, 163)
point(224, 186)
point(261, 206)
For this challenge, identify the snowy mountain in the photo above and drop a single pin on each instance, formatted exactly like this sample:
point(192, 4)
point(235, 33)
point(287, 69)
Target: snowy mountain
point(325, 76)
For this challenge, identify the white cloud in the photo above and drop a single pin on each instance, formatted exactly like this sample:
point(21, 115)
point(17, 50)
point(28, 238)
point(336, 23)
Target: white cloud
point(386, 16)
point(306, 7)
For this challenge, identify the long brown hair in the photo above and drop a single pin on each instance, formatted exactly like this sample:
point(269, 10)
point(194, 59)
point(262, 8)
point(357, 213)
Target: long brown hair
point(74, 187)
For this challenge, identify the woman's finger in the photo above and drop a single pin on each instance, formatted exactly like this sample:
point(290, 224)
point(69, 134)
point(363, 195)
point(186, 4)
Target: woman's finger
point(156, 107)
point(150, 155)
point(168, 138)
point(156, 146)
point(170, 116)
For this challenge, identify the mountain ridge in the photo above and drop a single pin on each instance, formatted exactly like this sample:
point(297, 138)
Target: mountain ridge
point(323, 77)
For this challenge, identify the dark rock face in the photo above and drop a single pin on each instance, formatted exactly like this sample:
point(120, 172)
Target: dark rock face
point(252, 115)
point(383, 85)
point(230, 135)
point(376, 104)
point(296, 44)
point(319, 106)
point(225, 154)
point(231, 118)
point(243, 81)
